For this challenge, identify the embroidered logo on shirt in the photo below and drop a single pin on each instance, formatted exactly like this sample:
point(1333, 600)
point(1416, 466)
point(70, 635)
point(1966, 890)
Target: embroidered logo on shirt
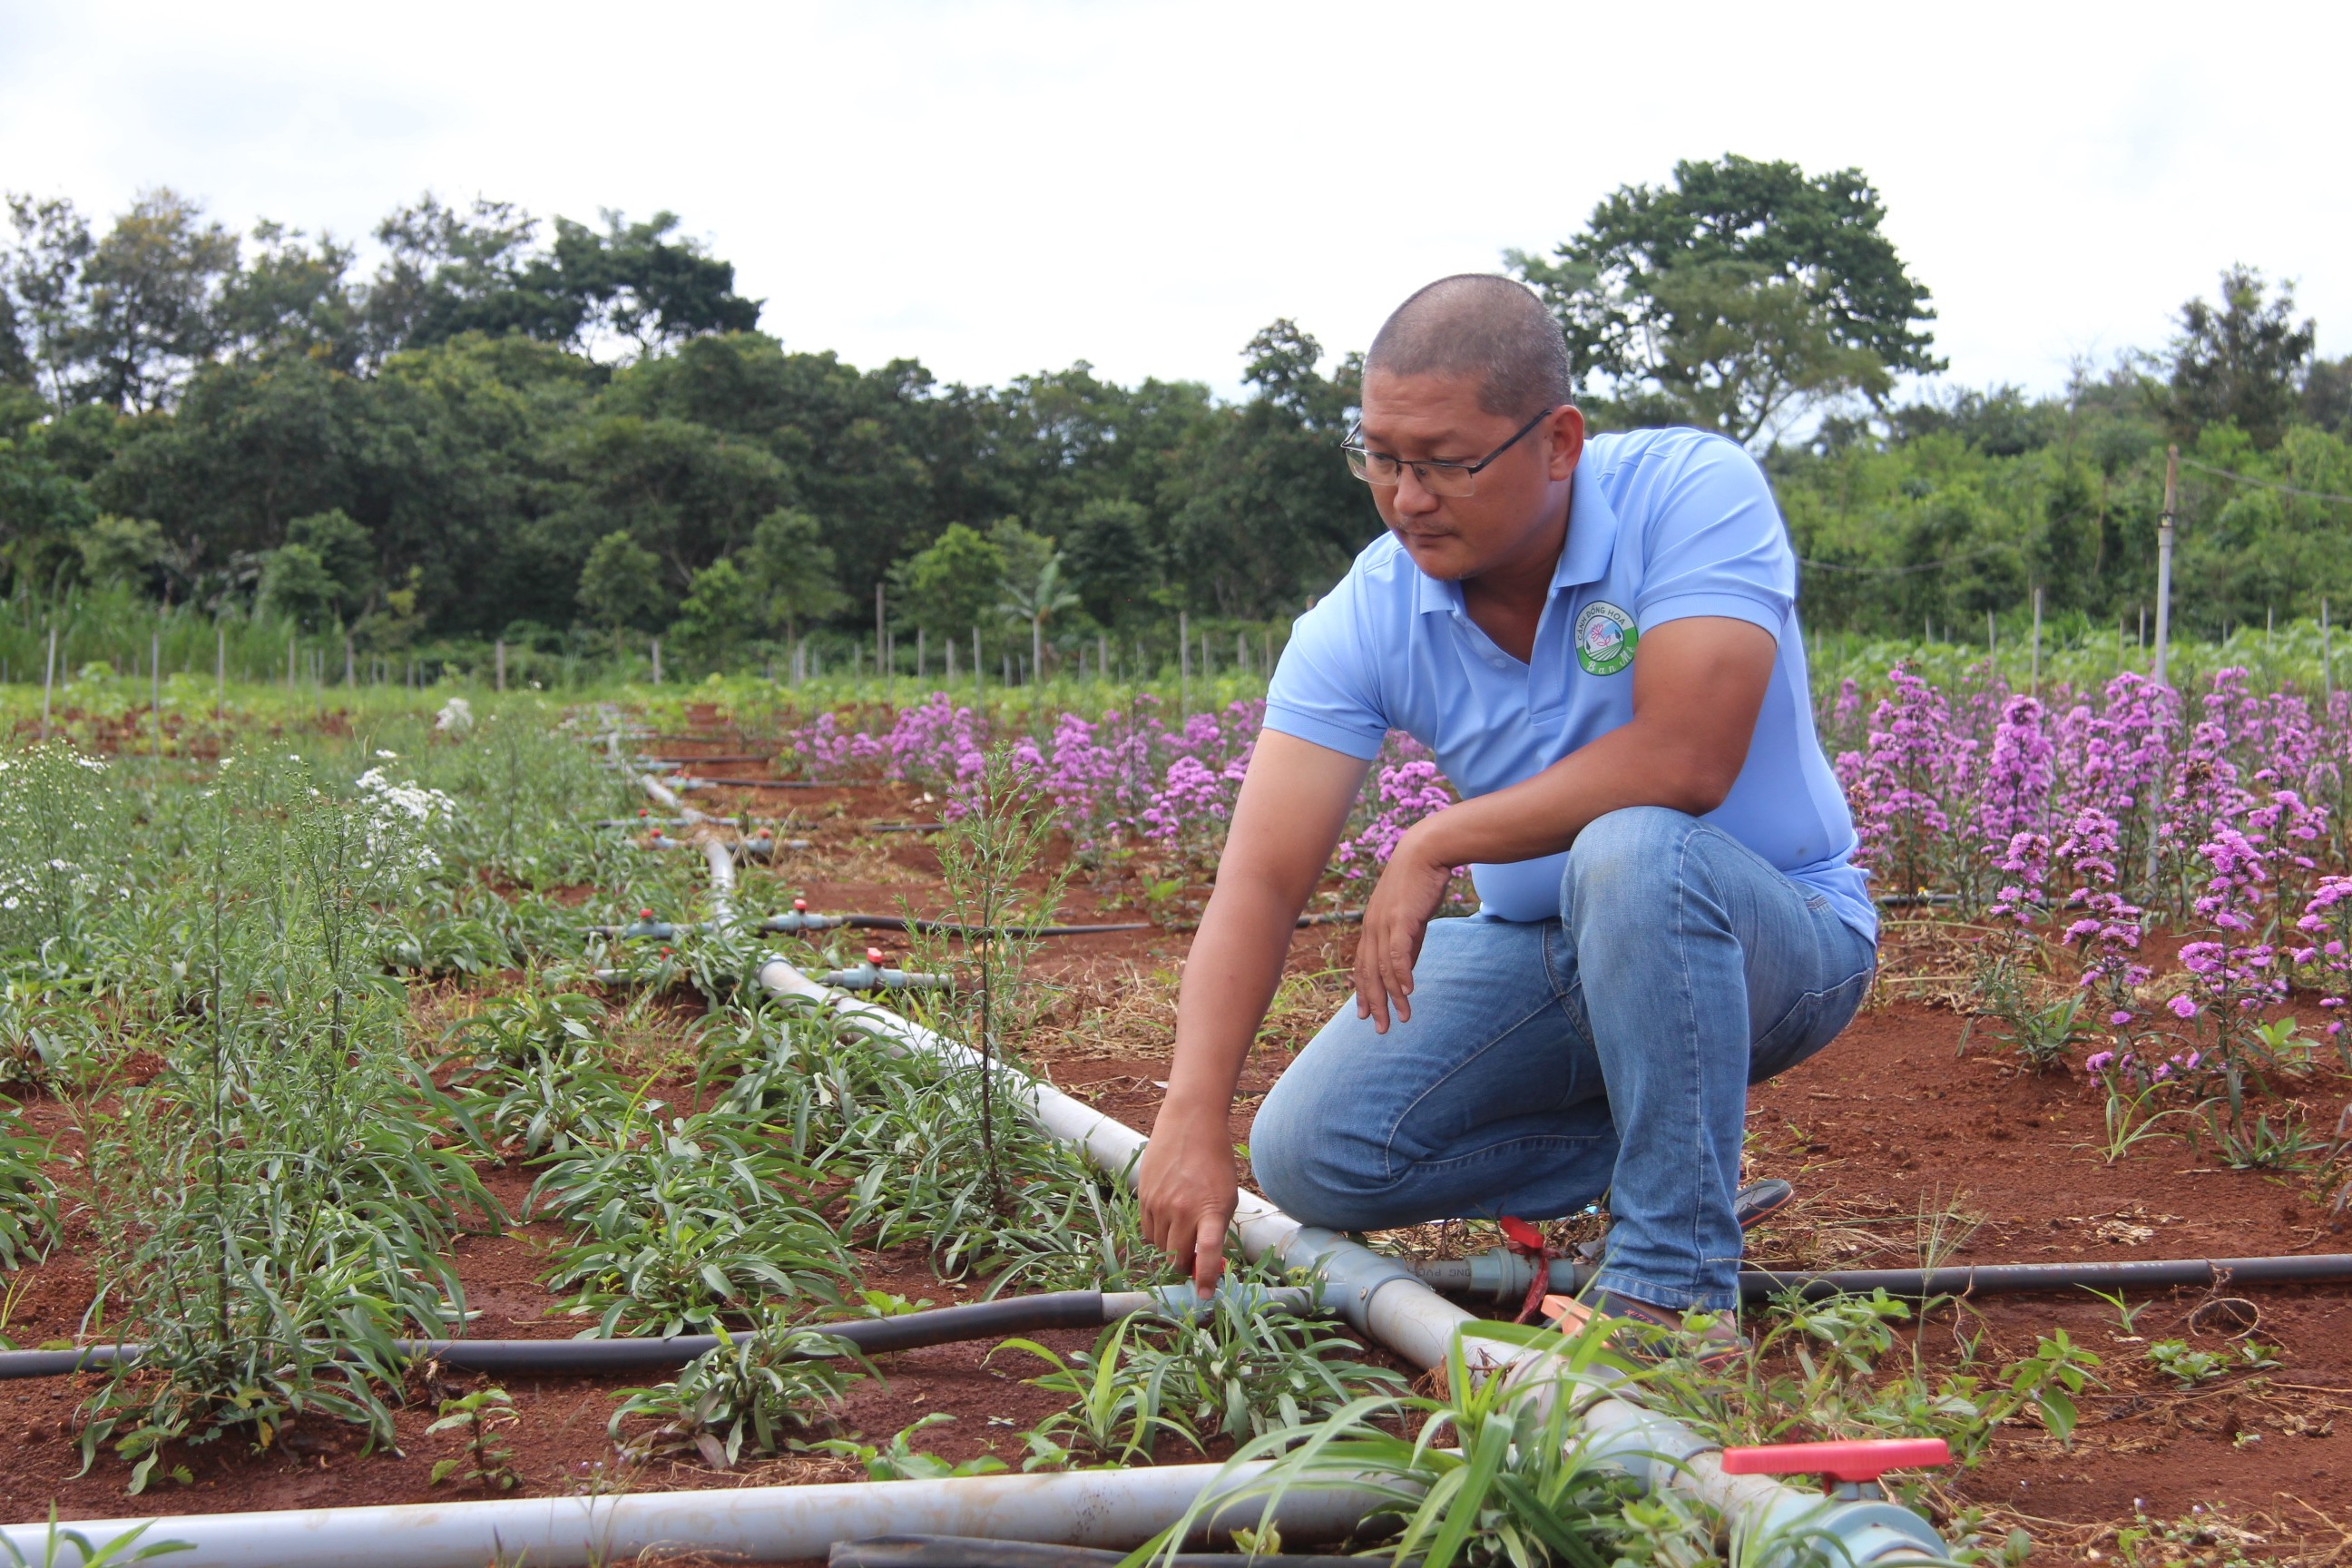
point(1604, 638)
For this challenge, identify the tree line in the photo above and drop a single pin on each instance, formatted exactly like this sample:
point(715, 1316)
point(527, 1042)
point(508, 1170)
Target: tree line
point(575, 436)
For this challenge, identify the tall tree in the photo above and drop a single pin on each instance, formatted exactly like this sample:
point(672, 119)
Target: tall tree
point(1742, 296)
point(43, 280)
point(1268, 514)
point(642, 283)
point(620, 583)
point(292, 297)
point(151, 286)
point(2243, 360)
point(791, 570)
point(448, 272)
point(950, 585)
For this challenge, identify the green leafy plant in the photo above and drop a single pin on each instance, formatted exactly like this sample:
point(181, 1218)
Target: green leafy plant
point(481, 1415)
point(899, 1460)
point(2129, 1117)
point(1489, 1477)
point(755, 1388)
point(2259, 1144)
point(2043, 1034)
point(683, 1224)
point(988, 857)
point(1114, 1416)
point(2178, 1359)
point(125, 1548)
point(1240, 1372)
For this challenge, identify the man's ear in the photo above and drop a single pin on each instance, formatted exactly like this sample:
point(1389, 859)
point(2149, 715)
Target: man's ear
point(1567, 428)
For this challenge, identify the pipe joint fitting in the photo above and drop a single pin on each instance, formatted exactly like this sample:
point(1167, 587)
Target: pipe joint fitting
point(796, 921)
point(1351, 1275)
point(871, 977)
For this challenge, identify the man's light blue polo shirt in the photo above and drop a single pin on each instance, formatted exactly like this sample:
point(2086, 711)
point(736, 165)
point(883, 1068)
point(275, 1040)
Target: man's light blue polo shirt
point(1661, 524)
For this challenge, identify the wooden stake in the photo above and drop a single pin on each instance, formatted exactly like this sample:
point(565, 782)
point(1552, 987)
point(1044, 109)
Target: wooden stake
point(1183, 664)
point(2037, 639)
point(2164, 562)
point(48, 681)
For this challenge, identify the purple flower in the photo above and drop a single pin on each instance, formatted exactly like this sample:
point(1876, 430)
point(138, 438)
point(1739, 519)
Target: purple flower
point(2182, 1007)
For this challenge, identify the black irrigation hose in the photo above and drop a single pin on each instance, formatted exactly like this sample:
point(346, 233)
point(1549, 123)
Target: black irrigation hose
point(698, 782)
point(969, 1551)
point(710, 761)
point(922, 926)
point(875, 1336)
point(2000, 1279)
point(1980, 1279)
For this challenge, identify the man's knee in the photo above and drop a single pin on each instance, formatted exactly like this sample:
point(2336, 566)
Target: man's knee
point(1628, 861)
point(1298, 1152)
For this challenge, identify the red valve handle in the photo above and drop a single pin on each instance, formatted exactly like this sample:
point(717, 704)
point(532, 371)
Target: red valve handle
point(800, 906)
point(1855, 1461)
point(645, 914)
point(874, 956)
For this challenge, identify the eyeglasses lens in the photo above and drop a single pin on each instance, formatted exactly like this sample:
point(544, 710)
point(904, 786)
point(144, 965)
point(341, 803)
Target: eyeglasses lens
point(1437, 478)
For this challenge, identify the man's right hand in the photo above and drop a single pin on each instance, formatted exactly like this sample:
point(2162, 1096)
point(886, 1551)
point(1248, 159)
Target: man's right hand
point(1187, 1183)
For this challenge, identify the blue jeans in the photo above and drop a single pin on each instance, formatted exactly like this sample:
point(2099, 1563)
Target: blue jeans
point(1609, 1051)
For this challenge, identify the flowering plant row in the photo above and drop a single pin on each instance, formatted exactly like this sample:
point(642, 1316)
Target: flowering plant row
point(2088, 818)
point(1128, 776)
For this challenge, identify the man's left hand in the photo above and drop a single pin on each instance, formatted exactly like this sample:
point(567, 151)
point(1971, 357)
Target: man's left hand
point(1408, 895)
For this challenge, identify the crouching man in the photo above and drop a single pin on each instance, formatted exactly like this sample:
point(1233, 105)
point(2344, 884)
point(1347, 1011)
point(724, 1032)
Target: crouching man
point(1598, 641)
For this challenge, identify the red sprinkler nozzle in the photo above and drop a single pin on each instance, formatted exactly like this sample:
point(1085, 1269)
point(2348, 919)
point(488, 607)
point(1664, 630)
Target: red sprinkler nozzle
point(643, 811)
point(800, 906)
point(645, 914)
point(874, 956)
point(1849, 1462)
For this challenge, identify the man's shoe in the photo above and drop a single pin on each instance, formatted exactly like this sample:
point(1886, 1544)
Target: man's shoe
point(1657, 1333)
point(1751, 1206)
point(1759, 1200)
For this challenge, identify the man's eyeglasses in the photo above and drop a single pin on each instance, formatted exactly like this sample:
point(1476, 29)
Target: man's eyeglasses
point(1438, 478)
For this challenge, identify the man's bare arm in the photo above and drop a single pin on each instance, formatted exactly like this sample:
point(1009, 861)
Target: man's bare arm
point(1293, 805)
point(1699, 685)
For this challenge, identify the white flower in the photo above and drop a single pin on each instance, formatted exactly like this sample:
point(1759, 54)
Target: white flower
point(389, 756)
point(457, 717)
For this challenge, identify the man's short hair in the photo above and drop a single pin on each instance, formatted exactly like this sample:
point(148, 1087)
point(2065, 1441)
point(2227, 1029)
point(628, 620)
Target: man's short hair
point(1488, 327)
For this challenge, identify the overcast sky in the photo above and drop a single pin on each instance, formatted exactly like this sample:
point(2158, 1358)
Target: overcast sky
point(1000, 188)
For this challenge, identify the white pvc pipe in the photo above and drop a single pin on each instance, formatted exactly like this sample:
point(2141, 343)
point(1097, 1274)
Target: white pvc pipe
point(1115, 1509)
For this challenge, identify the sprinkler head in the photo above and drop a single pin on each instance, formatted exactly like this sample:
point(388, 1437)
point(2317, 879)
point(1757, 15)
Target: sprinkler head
point(874, 956)
point(763, 833)
point(800, 906)
point(666, 953)
point(645, 914)
point(643, 811)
